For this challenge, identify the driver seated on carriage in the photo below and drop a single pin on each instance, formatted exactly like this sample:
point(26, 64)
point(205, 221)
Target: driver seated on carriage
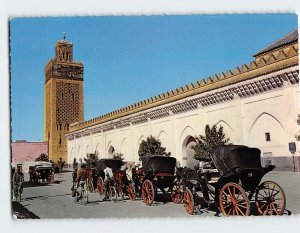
point(127, 170)
point(108, 180)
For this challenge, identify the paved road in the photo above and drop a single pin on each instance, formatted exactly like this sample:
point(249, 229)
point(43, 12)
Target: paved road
point(55, 201)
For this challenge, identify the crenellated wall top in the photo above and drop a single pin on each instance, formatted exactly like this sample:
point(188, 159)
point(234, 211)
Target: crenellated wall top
point(275, 60)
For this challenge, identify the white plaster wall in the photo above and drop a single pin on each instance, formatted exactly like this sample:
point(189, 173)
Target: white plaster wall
point(245, 121)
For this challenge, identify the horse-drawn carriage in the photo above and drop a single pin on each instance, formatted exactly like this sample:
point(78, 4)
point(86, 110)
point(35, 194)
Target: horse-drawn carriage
point(115, 165)
point(156, 175)
point(234, 182)
point(41, 172)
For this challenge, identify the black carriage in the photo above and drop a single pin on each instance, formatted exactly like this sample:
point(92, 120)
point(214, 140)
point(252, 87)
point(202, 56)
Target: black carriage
point(114, 164)
point(41, 172)
point(157, 174)
point(234, 182)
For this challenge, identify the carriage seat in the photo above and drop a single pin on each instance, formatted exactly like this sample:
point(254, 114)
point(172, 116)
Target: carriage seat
point(214, 175)
point(192, 181)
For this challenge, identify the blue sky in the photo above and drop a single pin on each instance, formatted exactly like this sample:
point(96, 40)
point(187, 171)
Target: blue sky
point(130, 58)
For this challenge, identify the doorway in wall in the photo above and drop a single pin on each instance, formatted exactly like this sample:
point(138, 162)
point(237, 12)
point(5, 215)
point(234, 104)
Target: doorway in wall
point(188, 152)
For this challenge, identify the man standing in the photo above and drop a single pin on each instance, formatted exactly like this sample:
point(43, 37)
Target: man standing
point(109, 177)
point(81, 178)
point(18, 179)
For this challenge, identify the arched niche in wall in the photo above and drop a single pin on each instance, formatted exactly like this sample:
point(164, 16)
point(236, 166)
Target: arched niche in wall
point(79, 153)
point(125, 150)
point(141, 138)
point(163, 138)
point(111, 152)
point(228, 131)
point(267, 131)
point(187, 140)
point(188, 152)
point(72, 156)
point(86, 151)
point(96, 151)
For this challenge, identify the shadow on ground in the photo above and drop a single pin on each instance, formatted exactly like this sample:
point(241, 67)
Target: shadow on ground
point(20, 212)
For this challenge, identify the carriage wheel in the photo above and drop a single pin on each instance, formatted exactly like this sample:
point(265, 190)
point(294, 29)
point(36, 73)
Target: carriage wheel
point(90, 185)
point(177, 194)
point(113, 193)
point(233, 200)
point(131, 192)
point(148, 192)
point(188, 201)
point(270, 199)
point(51, 178)
point(100, 185)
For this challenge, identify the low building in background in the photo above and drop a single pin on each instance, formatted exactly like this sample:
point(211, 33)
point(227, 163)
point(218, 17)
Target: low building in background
point(25, 153)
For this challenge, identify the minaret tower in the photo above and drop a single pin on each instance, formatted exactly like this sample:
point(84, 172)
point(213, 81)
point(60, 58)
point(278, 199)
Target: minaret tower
point(63, 98)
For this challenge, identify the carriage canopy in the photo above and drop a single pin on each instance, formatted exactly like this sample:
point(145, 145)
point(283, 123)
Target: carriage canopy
point(228, 157)
point(42, 165)
point(114, 164)
point(158, 164)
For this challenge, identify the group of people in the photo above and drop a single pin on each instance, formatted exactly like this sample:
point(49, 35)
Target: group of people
point(80, 178)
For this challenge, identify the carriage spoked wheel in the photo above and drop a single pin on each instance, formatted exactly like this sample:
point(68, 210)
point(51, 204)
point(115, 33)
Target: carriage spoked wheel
point(100, 185)
point(90, 185)
point(51, 178)
point(270, 199)
point(113, 193)
point(177, 194)
point(233, 200)
point(131, 192)
point(188, 201)
point(148, 192)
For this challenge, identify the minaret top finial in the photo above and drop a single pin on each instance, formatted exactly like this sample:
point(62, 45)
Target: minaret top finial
point(64, 36)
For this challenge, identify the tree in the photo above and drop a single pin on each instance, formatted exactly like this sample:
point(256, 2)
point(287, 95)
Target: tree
point(298, 123)
point(119, 156)
point(42, 157)
point(205, 143)
point(152, 146)
point(91, 158)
